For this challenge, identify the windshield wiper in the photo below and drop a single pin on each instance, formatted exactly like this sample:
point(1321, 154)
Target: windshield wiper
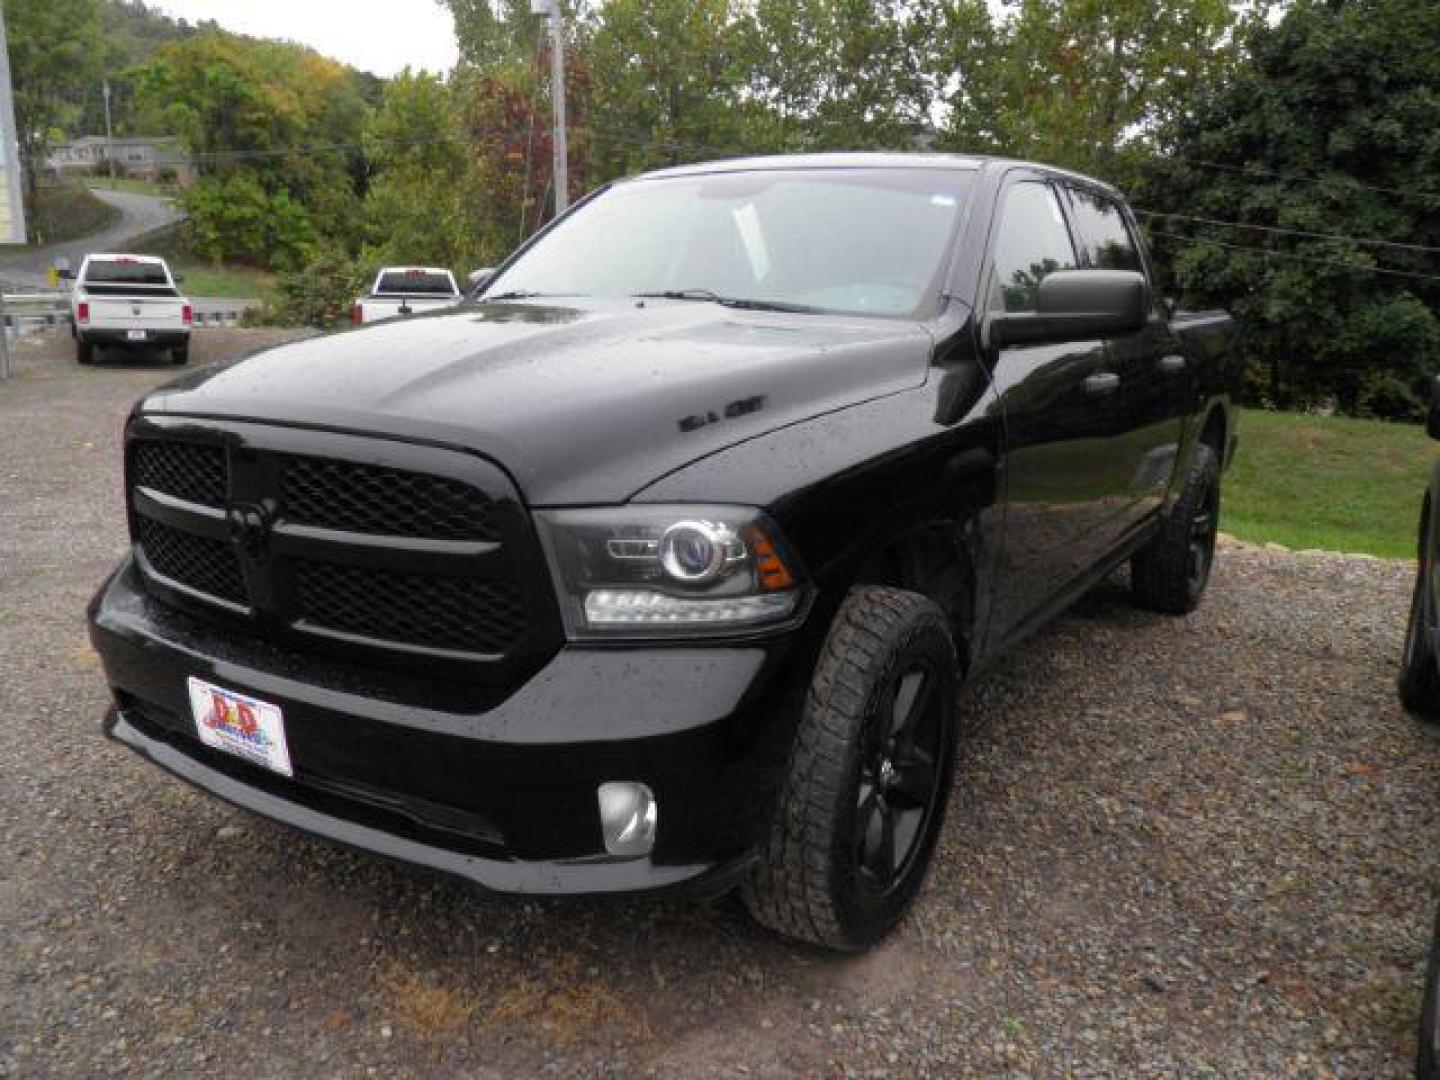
point(522, 294)
point(729, 301)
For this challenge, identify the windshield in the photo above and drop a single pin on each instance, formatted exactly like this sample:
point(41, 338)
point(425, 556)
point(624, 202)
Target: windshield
point(415, 282)
point(863, 241)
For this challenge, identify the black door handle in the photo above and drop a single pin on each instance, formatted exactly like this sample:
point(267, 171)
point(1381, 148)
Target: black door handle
point(1106, 382)
point(1172, 365)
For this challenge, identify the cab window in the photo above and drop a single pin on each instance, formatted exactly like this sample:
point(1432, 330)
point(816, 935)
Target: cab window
point(1033, 241)
point(1104, 236)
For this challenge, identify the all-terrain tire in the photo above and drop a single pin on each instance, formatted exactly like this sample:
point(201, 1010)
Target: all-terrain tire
point(1170, 573)
point(1419, 680)
point(809, 883)
point(1427, 1067)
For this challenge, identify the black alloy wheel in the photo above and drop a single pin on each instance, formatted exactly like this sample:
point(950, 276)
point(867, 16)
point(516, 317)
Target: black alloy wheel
point(900, 774)
point(1204, 526)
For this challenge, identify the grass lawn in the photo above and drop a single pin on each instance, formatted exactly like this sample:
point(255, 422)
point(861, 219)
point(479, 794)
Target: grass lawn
point(202, 279)
point(125, 183)
point(1328, 482)
point(67, 211)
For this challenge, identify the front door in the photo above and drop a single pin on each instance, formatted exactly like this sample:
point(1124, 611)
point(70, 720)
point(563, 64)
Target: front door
point(1060, 407)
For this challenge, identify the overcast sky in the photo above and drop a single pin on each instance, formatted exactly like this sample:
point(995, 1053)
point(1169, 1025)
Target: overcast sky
point(382, 36)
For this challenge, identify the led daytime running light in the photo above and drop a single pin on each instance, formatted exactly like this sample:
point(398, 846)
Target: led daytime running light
point(645, 607)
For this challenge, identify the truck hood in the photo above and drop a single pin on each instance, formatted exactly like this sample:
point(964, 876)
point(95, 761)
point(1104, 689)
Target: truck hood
point(582, 403)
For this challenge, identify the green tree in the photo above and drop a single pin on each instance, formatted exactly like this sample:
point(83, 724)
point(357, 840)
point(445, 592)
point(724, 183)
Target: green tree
point(54, 63)
point(840, 74)
point(494, 33)
point(1080, 83)
point(282, 117)
point(1328, 128)
point(421, 206)
point(664, 81)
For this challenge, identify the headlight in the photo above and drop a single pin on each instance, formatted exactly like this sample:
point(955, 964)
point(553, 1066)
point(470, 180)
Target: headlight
point(645, 571)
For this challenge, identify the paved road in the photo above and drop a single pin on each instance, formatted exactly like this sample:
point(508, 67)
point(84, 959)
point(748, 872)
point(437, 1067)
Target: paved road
point(139, 214)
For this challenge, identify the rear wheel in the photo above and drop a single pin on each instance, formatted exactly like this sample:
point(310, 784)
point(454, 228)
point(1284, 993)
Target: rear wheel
point(1427, 1057)
point(180, 354)
point(1419, 681)
point(864, 797)
point(1171, 572)
point(84, 351)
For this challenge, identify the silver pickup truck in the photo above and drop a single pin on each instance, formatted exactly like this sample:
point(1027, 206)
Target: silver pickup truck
point(129, 302)
point(406, 290)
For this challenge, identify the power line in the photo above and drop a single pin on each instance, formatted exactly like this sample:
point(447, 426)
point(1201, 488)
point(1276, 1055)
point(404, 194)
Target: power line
point(1252, 170)
point(1297, 257)
point(1291, 232)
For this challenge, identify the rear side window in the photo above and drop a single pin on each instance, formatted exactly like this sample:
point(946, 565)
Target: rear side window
point(1033, 241)
point(125, 272)
point(414, 282)
point(1104, 236)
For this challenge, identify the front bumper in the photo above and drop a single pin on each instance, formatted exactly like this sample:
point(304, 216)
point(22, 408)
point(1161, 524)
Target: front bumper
point(499, 789)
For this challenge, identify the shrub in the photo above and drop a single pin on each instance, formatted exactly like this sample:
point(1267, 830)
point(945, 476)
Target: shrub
point(320, 294)
point(1386, 397)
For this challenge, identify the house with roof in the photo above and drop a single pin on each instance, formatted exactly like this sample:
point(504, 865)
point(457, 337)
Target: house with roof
point(155, 158)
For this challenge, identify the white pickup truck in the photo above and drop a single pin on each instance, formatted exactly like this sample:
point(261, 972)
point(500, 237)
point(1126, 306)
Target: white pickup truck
point(406, 290)
point(129, 302)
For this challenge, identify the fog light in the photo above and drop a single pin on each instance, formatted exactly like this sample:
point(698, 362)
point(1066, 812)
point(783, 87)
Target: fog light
point(628, 813)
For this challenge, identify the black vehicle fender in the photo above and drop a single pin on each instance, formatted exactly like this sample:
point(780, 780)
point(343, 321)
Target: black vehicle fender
point(878, 493)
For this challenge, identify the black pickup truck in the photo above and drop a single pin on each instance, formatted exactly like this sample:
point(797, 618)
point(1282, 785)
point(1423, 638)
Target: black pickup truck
point(655, 567)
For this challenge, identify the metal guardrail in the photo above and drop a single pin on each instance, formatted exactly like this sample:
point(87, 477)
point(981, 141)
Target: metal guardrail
point(41, 309)
point(29, 311)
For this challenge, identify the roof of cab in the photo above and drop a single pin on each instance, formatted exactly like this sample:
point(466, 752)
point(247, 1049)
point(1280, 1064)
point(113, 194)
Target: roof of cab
point(865, 160)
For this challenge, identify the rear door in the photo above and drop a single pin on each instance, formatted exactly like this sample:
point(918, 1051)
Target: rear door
point(1059, 408)
point(1155, 376)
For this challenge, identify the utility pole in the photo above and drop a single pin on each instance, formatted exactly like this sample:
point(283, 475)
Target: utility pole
point(109, 133)
point(557, 94)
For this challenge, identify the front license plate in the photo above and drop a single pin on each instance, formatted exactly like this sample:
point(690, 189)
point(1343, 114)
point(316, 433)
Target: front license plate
point(137, 335)
point(240, 725)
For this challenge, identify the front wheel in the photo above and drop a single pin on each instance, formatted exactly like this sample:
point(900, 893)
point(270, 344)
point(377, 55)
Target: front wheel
point(1171, 572)
point(864, 797)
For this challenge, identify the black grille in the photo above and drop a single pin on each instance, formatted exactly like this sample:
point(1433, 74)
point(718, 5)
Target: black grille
point(185, 470)
point(420, 609)
point(392, 502)
point(208, 566)
point(480, 611)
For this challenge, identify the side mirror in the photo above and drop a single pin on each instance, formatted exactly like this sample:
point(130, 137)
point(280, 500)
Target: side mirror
point(179, 278)
point(1432, 421)
point(1075, 305)
point(480, 278)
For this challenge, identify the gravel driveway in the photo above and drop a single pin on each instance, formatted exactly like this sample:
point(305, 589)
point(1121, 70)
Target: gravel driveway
point(1199, 847)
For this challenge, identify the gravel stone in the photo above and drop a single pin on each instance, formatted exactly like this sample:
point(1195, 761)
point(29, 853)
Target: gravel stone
point(1199, 847)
